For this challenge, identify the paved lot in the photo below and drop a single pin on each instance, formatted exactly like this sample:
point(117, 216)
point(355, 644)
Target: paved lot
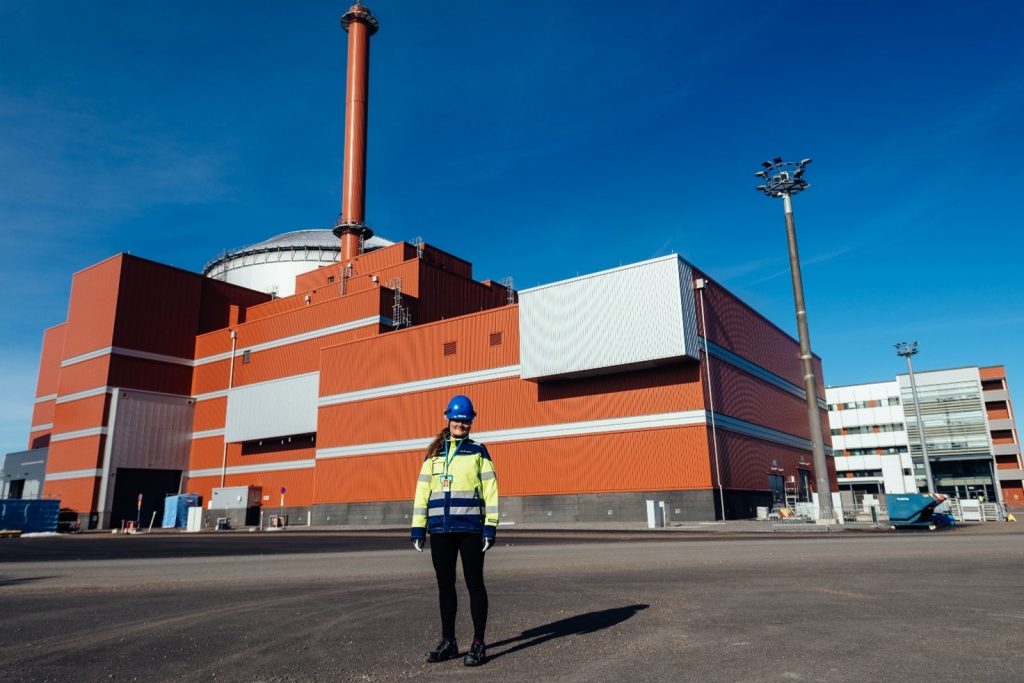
point(577, 607)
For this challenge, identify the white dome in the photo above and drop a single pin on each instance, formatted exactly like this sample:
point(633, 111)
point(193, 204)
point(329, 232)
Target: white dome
point(271, 265)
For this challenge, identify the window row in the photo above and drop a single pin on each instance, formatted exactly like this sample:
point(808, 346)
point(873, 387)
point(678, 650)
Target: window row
point(868, 429)
point(874, 403)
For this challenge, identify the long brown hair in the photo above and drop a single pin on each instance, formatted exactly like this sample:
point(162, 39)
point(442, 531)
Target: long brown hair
point(437, 444)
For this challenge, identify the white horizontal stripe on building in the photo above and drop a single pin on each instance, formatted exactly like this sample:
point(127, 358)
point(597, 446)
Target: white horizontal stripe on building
point(751, 368)
point(147, 355)
point(251, 469)
point(208, 433)
point(44, 399)
point(79, 434)
point(75, 474)
point(88, 393)
point(98, 353)
point(220, 393)
point(750, 429)
point(421, 385)
point(39, 428)
point(130, 353)
point(295, 338)
point(616, 424)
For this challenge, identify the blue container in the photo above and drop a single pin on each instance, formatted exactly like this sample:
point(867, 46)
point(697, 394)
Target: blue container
point(176, 510)
point(915, 509)
point(30, 516)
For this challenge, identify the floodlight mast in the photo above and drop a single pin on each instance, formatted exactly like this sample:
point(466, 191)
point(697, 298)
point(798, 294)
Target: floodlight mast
point(785, 179)
point(907, 350)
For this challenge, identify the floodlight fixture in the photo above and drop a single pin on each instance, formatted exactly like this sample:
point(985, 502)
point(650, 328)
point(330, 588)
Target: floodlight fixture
point(781, 182)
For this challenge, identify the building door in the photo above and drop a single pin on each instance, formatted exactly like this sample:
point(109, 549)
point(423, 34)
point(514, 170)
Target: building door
point(804, 481)
point(152, 485)
point(16, 488)
point(775, 484)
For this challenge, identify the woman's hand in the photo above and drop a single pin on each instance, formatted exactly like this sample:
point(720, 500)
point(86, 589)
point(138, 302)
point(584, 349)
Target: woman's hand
point(418, 544)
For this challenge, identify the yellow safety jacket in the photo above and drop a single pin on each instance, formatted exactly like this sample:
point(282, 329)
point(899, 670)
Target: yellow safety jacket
point(457, 491)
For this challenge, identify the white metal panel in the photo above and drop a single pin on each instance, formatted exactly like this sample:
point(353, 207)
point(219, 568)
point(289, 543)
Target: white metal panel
point(279, 408)
point(631, 316)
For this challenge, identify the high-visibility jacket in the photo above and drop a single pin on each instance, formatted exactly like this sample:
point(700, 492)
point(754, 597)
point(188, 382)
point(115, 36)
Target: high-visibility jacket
point(457, 491)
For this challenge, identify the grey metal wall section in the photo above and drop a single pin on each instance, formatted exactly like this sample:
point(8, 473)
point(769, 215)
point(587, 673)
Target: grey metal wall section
point(151, 431)
point(633, 316)
point(29, 466)
point(279, 408)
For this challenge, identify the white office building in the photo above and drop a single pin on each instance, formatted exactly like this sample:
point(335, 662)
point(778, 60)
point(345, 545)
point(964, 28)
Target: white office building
point(969, 430)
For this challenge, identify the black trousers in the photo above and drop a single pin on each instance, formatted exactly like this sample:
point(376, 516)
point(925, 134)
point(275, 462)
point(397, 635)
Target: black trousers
point(444, 548)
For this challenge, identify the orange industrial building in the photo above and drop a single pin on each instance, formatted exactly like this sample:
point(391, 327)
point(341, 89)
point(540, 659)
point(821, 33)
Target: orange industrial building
point(595, 394)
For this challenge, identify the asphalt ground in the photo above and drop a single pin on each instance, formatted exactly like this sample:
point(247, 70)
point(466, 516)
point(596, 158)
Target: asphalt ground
point(909, 606)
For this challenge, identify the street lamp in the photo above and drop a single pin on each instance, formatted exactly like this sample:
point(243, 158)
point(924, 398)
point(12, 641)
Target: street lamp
point(785, 179)
point(907, 350)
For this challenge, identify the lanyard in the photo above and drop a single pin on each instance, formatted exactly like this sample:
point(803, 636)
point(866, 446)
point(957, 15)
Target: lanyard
point(453, 448)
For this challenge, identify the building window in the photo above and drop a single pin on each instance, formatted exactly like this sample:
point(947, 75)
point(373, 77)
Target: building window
point(279, 444)
point(247, 356)
point(330, 279)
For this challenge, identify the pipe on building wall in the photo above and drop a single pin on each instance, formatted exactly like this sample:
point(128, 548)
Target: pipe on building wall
point(231, 380)
point(360, 24)
point(700, 284)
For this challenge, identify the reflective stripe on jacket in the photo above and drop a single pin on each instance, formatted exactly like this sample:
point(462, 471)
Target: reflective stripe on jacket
point(470, 504)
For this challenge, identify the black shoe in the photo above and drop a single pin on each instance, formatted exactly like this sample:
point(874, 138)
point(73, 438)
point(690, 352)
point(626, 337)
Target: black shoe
point(446, 649)
point(477, 654)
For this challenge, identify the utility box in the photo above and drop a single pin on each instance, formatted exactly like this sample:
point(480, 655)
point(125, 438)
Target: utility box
point(236, 497)
point(195, 519)
point(239, 504)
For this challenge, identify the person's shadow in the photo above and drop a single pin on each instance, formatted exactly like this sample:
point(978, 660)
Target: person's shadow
point(577, 625)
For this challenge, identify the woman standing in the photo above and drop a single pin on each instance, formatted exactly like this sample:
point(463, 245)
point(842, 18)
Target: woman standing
point(457, 502)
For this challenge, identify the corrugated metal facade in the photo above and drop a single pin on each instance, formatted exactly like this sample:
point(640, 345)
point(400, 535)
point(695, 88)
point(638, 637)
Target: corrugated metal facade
point(604, 322)
point(278, 408)
point(372, 396)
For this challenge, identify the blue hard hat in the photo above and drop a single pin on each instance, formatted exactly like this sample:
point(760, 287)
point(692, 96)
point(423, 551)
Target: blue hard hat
point(460, 408)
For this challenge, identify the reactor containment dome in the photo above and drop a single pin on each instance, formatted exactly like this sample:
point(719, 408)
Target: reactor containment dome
point(271, 265)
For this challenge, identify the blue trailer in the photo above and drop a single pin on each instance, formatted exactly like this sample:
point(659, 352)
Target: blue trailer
point(916, 510)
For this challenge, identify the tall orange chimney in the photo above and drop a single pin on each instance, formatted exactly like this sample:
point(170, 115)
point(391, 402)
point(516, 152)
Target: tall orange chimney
point(360, 24)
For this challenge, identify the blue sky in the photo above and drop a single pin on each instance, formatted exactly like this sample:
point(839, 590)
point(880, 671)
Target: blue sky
point(539, 140)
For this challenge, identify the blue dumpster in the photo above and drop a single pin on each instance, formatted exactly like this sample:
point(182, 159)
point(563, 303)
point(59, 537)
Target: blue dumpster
point(29, 515)
point(916, 510)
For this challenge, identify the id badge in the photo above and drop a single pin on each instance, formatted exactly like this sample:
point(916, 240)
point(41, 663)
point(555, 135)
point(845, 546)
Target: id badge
point(446, 483)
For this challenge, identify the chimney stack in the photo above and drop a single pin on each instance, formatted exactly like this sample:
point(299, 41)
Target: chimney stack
point(360, 24)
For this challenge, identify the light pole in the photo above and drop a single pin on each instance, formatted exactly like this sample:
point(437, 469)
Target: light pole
point(907, 350)
point(785, 179)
